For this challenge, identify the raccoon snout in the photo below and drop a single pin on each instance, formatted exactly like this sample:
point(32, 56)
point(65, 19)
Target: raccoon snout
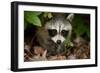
point(58, 41)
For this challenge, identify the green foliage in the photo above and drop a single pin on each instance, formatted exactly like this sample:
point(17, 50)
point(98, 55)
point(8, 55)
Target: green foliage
point(68, 43)
point(32, 18)
point(48, 15)
point(80, 27)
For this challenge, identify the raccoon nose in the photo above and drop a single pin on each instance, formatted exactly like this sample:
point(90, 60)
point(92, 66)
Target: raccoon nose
point(58, 41)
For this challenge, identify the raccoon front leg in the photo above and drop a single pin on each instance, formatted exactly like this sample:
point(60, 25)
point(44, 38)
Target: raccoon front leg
point(44, 41)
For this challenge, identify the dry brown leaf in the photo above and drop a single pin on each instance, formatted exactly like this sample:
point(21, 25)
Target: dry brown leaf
point(59, 57)
point(39, 57)
point(38, 50)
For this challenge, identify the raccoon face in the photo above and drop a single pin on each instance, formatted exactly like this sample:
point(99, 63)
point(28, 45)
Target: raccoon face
point(59, 28)
point(59, 33)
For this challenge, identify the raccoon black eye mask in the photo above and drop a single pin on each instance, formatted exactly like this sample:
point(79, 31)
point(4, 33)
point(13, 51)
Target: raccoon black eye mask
point(53, 32)
point(64, 33)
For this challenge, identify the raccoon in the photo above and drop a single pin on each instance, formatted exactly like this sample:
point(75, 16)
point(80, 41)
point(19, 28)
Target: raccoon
point(53, 35)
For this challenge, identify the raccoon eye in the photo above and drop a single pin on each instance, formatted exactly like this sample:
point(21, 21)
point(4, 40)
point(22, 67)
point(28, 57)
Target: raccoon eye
point(64, 33)
point(52, 32)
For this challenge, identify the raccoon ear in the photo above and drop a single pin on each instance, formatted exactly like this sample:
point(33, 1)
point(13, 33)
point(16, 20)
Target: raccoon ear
point(70, 17)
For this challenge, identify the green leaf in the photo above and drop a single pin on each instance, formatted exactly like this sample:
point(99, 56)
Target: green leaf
point(45, 14)
point(32, 12)
point(32, 18)
point(37, 13)
point(50, 15)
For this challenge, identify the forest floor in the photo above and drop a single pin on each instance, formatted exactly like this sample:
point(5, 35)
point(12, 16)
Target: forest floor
point(81, 50)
